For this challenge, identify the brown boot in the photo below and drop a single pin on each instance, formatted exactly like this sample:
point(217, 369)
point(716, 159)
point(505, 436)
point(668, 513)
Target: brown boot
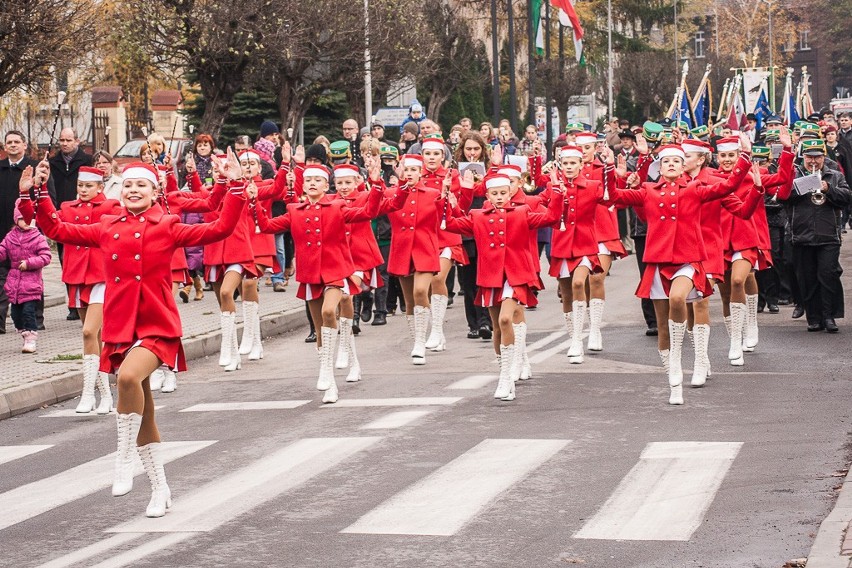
point(184, 294)
point(199, 288)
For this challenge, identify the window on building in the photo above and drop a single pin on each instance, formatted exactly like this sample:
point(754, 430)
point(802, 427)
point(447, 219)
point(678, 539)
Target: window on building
point(804, 40)
point(699, 44)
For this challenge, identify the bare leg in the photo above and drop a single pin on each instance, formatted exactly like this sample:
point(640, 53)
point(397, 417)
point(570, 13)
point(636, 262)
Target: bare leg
point(92, 318)
point(225, 293)
point(134, 391)
point(597, 281)
point(439, 280)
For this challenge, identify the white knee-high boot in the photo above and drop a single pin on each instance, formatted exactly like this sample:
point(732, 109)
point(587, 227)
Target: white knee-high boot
point(236, 361)
point(505, 382)
point(256, 352)
point(345, 327)
point(569, 323)
point(521, 349)
point(354, 365)
point(437, 341)
point(249, 311)
point(738, 316)
point(127, 427)
point(677, 330)
point(750, 331)
point(575, 351)
point(664, 358)
point(169, 381)
point(596, 310)
point(90, 377)
point(227, 325)
point(326, 355)
point(701, 367)
point(105, 406)
point(161, 495)
point(421, 323)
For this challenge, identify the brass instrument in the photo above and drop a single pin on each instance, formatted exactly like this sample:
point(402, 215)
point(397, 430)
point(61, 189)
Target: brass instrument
point(817, 197)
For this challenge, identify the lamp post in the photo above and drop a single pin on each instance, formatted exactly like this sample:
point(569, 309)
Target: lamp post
point(771, 59)
point(368, 78)
point(609, 56)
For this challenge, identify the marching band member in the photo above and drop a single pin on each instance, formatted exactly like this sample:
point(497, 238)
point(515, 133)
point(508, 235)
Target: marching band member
point(137, 246)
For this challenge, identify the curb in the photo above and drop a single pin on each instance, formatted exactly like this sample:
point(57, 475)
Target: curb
point(37, 394)
point(827, 548)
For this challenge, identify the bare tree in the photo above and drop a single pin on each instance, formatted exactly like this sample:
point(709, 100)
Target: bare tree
point(37, 38)
point(647, 76)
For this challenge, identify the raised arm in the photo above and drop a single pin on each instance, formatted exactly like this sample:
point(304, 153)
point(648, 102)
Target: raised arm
point(69, 233)
point(278, 224)
point(745, 209)
point(732, 182)
point(206, 233)
point(538, 219)
point(781, 182)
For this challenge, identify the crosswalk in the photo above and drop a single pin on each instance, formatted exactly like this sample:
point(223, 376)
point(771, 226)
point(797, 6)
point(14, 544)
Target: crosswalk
point(665, 495)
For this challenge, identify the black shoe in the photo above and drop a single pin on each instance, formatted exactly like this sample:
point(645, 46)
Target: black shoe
point(773, 308)
point(831, 326)
point(380, 319)
point(356, 326)
point(184, 296)
point(485, 332)
point(449, 301)
point(40, 327)
point(760, 308)
point(366, 308)
point(473, 334)
point(311, 338)
point(72, 315)
point(798, 312)
point(784, 302)
point(816, 327)
point(651, 332)
point(2, 331)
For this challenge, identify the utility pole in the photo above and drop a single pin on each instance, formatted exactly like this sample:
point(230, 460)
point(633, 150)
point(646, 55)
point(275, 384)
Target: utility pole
point(532, 32)
point(609, 56)
point(548, 108)
point(513, 94)
point(495, 66)
point(677, 56)
point(368, 77)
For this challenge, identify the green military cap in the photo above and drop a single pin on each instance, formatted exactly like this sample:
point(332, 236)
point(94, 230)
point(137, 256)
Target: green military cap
point(386, 151)
point(813, 147)
point(798, 124)
point(684, 127)
point(340, 149)
point(772, 134)
point(761, 152)
point(574, 127)
point(700, 131)
point(652, 131)
point(810, 130)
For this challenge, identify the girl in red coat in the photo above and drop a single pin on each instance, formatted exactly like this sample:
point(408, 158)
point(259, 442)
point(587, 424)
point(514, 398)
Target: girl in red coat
point(414, 251)
point(83, 274)
point(674, 272)
point(449, 244)
point(506, 275)
point(574, 246)
point(743, 252)
point(609, 240)
point(143, 330)
point(366, 257)
point(324, 268)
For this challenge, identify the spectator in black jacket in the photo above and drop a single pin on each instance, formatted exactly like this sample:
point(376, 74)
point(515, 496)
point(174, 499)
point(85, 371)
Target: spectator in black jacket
point(10, 175)
point(815, 232)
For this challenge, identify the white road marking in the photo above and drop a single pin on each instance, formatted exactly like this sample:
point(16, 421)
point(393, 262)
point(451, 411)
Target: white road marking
point(77, 557)
point(259, 405)
point(236, 493)
point(396, 419)
point(417, 401)
point(547, 340)
point(547, 354)
point(32, 499)
point(473, 382)
point(666, 494)
point(11, 453)
point(69, 413)
point(134, 555)
point(443, 502)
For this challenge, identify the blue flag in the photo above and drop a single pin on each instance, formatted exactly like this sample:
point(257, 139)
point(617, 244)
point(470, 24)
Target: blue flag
point(702, 107)
point(761, 109)
point(683, 110)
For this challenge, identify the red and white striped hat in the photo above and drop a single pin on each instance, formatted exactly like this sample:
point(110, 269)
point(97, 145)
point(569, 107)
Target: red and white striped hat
point(671, 150)
point(497, 180)
point(696, 146)
point(511, 170)
point(412, 160)
point(570, 151)
point(88, 173)
point(586, 138)
point(249, 155)
point(316, 171)
point(140, 170)
point(346, 170)
point(729, 144)
point(432, 143)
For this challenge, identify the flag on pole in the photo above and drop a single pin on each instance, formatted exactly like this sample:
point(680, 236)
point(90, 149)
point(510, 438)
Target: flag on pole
point(702, 104)
point(682, 110)
point(761, 109)
point(535, 6)
point(736, 113)
point(723, 101)
point(807, 104)
point(788, 105)
point(568, 18)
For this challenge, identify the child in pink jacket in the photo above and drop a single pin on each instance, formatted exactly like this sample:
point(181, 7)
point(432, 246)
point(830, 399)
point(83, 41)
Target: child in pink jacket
point(28, 252)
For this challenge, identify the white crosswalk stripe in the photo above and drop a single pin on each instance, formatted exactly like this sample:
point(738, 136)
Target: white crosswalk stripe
point(70, 413)
point(31, 499)
point(11, 453)
point(666, 494)
point(473, 382)
point(444, 501)
point(259, 405)
point(414, 401)
point(396, 419)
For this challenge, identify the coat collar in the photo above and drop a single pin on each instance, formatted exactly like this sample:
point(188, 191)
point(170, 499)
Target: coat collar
point(152, 215)
point(325, 202)
point(96, 200)
point(489, 209)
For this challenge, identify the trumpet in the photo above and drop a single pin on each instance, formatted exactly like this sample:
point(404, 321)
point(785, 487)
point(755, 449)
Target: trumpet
point(527, 183)
point(817, 197)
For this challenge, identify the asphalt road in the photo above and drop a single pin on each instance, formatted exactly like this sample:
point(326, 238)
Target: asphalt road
point(589, 466)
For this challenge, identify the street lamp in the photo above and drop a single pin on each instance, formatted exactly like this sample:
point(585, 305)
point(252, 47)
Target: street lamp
point(771, 64)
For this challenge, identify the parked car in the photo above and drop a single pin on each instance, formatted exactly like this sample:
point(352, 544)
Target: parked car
point(129, 152)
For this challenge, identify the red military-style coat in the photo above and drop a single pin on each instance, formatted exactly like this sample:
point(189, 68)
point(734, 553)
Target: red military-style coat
point(580, 238)
point(673, 213)
point(81, 264)
point(415, 218)
point(753, 232)
point(198, 200)
point(606, 220)
point(435, 180)
point(359, 234)
point(319, 234)
point(501, 237)
point(237, 247)
point(137, 252)
point(537, 204)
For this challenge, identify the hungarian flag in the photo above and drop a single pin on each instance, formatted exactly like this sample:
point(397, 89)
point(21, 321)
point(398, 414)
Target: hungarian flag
point(568, 18)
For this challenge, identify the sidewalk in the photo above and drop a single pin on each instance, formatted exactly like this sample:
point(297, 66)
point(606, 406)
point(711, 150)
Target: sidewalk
point(54, 373)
